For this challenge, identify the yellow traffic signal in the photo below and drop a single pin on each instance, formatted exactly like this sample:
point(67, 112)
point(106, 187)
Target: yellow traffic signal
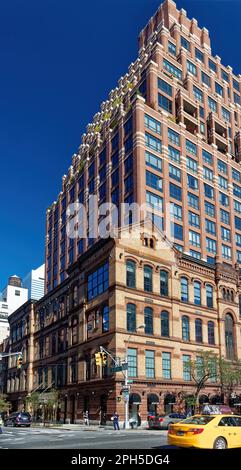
point(19, 361)
point(98, 359)
point(104, 358)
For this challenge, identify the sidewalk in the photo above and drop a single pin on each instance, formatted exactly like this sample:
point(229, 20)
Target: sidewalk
point(92, 427)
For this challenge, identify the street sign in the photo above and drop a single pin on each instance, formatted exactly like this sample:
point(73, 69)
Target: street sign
point(119, 368)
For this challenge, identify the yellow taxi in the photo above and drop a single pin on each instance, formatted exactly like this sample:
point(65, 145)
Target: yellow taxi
point(217, 431)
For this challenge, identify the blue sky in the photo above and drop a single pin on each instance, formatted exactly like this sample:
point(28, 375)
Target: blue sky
point(58, 61)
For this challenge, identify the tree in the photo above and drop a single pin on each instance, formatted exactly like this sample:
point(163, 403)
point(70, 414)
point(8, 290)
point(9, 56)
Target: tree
point(201, 369)
point(229, 376)
point(4, 404)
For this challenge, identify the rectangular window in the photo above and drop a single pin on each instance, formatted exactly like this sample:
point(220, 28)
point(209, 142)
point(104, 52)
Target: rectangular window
point(193, 201)
point(236, 175)
point(226, 234)
point(175, 191)
point(195, 254)
point(218, 89)
point(174, 137)
point(211, 245)
point(191, 68)
point(150, 364)
point(224, 76)
point(208, 191)
point(132, 362)
point(237, 206)
point(185, 43)
point(128, 144)
point(224, 216)
point(153, 181)
point(207, 173)
point(98, 281)
point(174, 172)
point(199, 55)
point(153, 161)
point(226, 252)
point(237, 221)
point(237, 191)
point(169, 67)
point(177, 231)
point(172, 48)
point(212, 104)
point(206, 79)
point(129, 183)
point(238, 240)
point(226, 114)
point(186, 367)
point(194, 238)
point(212, 65)
point(164, 86)
point(152, 124)
point(154, 201)
point(176, 211)
point(223, 182)
point(210, 227)
point(166, 365)
point(198, 94)
point(192, 182)
point(128, 127)
point(236, 98)
point(222, 167)
point(223, 199)
point(128, 164)
point(207, 157)
point(192, 164)
point(174, 154)
point(165, 103)
point(153, 143)
point(236, 85)
point(193, 219)
point(191, 147)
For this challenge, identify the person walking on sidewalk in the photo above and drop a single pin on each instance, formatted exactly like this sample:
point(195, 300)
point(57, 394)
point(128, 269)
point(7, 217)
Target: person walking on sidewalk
point(86, 418)
point(138, 419)
point(116, 421)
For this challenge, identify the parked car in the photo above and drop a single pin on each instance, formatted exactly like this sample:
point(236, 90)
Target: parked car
point(207, 432)
point(18, 419)
point(163, 421)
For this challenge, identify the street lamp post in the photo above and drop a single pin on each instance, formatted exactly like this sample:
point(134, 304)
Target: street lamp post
point(126, 386)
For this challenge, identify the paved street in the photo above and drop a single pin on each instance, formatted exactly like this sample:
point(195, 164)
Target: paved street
point(36, 438)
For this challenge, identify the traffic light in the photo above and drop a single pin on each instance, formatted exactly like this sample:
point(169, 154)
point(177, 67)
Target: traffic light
point(98, 359)
point(104, 358)
point(19, 361)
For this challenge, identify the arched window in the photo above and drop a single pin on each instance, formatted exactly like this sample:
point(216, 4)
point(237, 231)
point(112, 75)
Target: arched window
point(105, 318)
point(184, 289)
point(164, 323)
point(131, 317)
point(229, 336)
point(232, 296)
point(228, 295)
point(185, 328)
point(209, 295)
point(164, 283)
point(211, 339)
point(198, 330)
point(197, 293)
point(131, 274)
point(74, 330)
point(148, 320)
point(224, 293)
point(148, 278)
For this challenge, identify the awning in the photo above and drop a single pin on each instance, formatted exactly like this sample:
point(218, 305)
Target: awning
point(153, 399)
point(135, 399)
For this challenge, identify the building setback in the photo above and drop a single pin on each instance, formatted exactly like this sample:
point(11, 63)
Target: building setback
point(169, 135)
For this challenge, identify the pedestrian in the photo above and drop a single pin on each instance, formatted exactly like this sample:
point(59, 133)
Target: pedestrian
point(132, 422)
point(116, 421)
point(86, 418)
point(138, 419)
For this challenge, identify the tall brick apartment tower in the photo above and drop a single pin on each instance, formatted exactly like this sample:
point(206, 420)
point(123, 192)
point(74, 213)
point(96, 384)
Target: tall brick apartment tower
point(169, 133)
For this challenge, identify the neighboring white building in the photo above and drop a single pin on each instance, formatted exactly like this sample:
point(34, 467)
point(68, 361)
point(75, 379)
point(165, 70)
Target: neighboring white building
point(34, 282)
point(13, 296)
